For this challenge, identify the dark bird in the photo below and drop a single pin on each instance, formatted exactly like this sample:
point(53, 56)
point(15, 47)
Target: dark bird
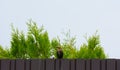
point(59, 53)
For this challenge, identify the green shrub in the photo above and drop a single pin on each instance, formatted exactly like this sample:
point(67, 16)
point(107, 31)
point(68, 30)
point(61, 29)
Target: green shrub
point(36, 44)
point(92, 50)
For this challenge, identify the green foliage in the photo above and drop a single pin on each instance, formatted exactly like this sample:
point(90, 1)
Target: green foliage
point(4, 53)
point(92, 50)
point(69, 47)
point(36, 44)
point(37, 41)
point(54, 44)
point(18, 46)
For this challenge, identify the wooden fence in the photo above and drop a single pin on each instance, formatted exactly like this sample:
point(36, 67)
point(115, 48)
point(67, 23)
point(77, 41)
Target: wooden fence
point(63, 64)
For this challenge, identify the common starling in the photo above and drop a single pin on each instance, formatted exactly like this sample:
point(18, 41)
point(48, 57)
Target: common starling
point(59, 53)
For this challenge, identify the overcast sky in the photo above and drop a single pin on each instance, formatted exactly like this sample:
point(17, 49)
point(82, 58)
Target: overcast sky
point(57, 16)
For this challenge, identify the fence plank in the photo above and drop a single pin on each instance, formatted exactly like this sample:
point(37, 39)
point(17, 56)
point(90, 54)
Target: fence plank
point(118, 64)
point(65, 64)
point(95, 64)
point(80, 64)
point(88, 65)
point(5, 65)
point(50, 64)
point(27, 64)
point(73, 64)
point(111, 64)
point(20, 64)
point(57, 64)
point(103, 65)
point(12, 64)
point(37, 64)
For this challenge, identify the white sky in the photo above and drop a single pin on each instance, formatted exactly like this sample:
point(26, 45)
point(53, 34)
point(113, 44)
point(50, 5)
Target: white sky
point(80, 16)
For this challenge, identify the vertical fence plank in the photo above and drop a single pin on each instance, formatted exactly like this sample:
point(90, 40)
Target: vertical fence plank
point(65, 64)
point(37, 64)
point(20, 64)
point(57, 64)
point(50, 63)
point(27, 64)
point(111, 64)
point(118, 64)
point(95, 64)
point(103, 64)
point(12, 64)
point(73, 64)
point(88, 65)
point(80, 64)
point(5, 65)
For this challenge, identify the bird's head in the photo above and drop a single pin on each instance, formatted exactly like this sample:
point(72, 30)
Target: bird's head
point(59, 48)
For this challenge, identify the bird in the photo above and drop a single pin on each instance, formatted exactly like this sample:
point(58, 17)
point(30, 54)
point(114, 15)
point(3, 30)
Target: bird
point(59, 53)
